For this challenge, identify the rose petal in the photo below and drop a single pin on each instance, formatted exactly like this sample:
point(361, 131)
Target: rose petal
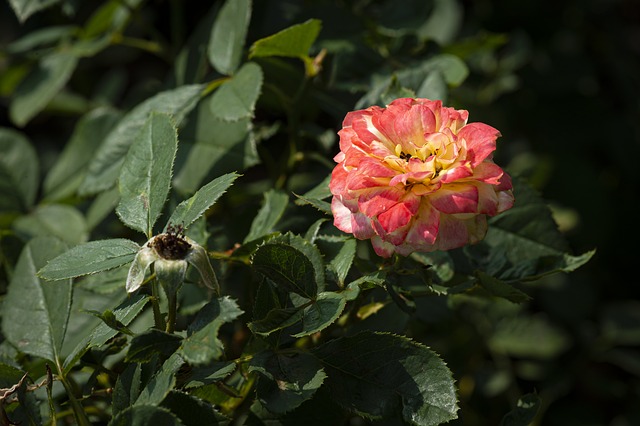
point(456, 198)
point(480, 139)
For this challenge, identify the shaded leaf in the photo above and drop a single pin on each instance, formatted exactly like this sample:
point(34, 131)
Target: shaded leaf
point(236, 98)
point(273, 207)
point(288, 267)
point(143, 346)
point(500, 288)
point(127, 388)
point(161, 383)
point(89, 258)
point(41, 85)
point(104, 168)
point(276, 319)
point(191, 209)
point(321, 313)
point(381, 375)
point(58, 220)
point(339, 255)
point(67, 173)
point(524, 413)
point(25, 8)
point(202, 344)
point(143, 415)
point(190, 410)
point(18, 171)
point(287, 381)
point(532, 337)
point(443, 23)
point(228, 35)
point(210, 374)
point(524, 242)
point(126, 312)
point(145, 176)
point(34, 312)
point(294, 41)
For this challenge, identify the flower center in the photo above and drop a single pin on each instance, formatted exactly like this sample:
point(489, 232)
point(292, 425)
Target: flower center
point(171, 245)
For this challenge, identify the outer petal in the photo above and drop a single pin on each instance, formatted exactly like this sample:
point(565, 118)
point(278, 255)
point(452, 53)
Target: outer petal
point(480, 139)
point(199, 259)
point(394, 218)
point(456, 198)
point(424, 230)
point(138, 269)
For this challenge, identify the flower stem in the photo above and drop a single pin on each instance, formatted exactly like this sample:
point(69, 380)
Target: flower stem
point(155, 303)
point(171, 314)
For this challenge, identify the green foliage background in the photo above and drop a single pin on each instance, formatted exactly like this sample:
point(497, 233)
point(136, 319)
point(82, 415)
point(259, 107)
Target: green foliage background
point(559, 79)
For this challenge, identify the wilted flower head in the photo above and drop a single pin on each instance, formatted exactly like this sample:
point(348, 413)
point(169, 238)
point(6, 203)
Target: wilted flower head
point(414, 176)
point(170, 252)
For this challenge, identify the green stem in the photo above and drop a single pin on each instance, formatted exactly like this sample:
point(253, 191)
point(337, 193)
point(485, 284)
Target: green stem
point(76, 406)
point(155, 303)
point(171, 314)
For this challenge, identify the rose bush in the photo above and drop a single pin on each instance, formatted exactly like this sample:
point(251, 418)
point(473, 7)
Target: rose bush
point(414, 176)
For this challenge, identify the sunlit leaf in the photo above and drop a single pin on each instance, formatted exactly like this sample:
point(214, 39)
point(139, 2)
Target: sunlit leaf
point(236, 98)
point(105, 167)
point(145, 176)
point(41, 85)
point(35, 312)
point(91, 257)
point(294, 41)
point(382, 375)
point(191, 209)
point(228, 35)
point(321, 313)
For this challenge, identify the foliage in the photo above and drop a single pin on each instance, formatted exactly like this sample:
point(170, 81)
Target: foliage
point(227, 136)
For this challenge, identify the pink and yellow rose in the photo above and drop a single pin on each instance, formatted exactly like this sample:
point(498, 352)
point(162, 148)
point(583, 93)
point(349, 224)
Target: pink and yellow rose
point(414, 176)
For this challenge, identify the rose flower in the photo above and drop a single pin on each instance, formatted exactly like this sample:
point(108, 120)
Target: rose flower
point(414, 176)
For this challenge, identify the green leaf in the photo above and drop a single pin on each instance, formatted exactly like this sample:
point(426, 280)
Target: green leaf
point(524, 242)
point(212, 373)
point(533, 337)
point(104, 169)
point(18, 171)
point(145, 176)
point(382, 375)
point(161, 383)
point(35, 313)
point(276, 319)
point(217, 147)
point(287, 381)
point(192, 411)
point(321, 313)
point(41, 85)
point(67, 173)
point(288, 267)
point(25, 8)
point(339, 255)
point(273, 207)
point(500, 288)
point(89, 258)
point(126, 312)
point(236, 98)
point(293, 42)
point(142, 415)
point(190, 210)
point(127, 388)
point(228, 35)
point(433, 87)
point(525, 412)
point(104, 203)
point(443, 23)
point(143, 346)
point(58, 220)
point(202, 344)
